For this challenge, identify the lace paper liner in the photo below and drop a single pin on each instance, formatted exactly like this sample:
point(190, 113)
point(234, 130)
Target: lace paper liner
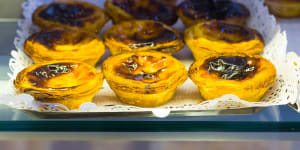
point(294, 59)
point(187, 97)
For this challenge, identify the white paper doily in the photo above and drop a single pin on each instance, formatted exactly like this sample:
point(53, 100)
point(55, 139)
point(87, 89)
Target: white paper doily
point(187, 97)
point(294, 59)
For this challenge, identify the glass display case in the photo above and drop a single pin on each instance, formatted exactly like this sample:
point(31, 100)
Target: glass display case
point(276, 122)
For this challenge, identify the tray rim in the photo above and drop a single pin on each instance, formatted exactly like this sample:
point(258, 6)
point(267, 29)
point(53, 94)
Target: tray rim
point(131, 114)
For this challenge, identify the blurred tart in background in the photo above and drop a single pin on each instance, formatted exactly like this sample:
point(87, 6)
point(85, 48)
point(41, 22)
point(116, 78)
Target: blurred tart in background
point(70, 14)
point(284, 8)
point(194, 11)
point(122, 10)
point(220, 37)
point(142, 35)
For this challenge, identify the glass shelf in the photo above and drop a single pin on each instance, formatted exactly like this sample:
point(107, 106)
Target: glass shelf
point(271, 120)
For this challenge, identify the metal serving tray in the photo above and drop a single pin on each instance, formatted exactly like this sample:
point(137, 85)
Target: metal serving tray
point(81, 115)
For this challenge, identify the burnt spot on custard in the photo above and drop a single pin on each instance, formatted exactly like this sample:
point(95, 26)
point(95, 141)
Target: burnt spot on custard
point(213, 9)
point(68, 14)
point(39, 76)
point(141, 41)
point(142, 68)
point(230, 33)
point(60, 37)
point(148, 10)
point(232, 67)
point(47, 38)
point(146, 35)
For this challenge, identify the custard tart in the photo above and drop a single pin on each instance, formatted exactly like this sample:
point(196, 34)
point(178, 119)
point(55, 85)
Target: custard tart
point(142, 35)
point(284, 8)
point(194, 11)
point(70, 14)
point(246, 76)
point(122, 10)
point(64, 44)
point(69, 83)
point(145, 79)
point(219, 37)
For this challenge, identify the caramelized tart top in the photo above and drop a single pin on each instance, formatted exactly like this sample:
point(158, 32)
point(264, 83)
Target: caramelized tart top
point(148, 10)
point(56, 76)
point(148, 69)
point(142, 33)
point(54, 38)
point(232, 67)
point(227, 32)
point(69, 14)
point(213, 9)
point(71, 75)
point(222, 31)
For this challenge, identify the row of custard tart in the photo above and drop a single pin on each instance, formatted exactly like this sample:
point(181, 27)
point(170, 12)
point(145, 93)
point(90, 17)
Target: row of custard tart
point(144, 79)
point(90, 18)
point(61, 44)
point(147, 79)
point(142, 35)
point(189, 11)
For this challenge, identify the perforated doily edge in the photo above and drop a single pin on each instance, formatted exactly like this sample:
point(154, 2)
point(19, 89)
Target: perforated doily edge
point(294, 59)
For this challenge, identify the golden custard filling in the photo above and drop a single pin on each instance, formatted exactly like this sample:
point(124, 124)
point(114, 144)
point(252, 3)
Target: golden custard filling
point(231, 67)
point(143, 34)
point(60, 76)
point(148, 69)
point(229, 33)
